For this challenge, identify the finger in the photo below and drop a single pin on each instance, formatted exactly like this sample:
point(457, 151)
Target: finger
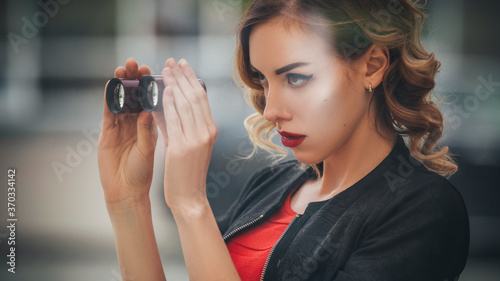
point(174, 128)
point(132, 69)
point(154, 125)
point(194, 99)
point(144, 70)
point(145, 133)
point(182, 105)
point(159, 118)
point(108, 118)
point(190, 76)
point(181, 81)
point(199, 98)
point(170, 62)
point(120, 72)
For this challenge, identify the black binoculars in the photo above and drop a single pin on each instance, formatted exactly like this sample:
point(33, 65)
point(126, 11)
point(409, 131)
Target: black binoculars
point(133, 96)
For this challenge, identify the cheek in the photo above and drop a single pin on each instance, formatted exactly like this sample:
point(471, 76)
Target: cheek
point(327, 106)
point(333, 114)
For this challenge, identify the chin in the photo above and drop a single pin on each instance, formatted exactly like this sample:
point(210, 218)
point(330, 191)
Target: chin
point(308, 158)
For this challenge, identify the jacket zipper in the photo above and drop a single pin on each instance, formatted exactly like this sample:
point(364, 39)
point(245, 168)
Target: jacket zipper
point(242, 227)
point(272, 250)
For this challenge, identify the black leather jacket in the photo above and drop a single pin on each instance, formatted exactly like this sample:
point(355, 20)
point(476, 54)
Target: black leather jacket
point(399, 222)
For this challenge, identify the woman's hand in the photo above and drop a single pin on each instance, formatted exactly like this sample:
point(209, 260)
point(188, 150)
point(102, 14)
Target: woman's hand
point(126, 148)
point(189, 133)
point(125, 155)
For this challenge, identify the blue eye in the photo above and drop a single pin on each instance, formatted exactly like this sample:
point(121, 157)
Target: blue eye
point(262, 79)
point(297, 80)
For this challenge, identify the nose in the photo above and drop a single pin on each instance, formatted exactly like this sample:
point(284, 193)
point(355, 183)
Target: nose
point(276, 106)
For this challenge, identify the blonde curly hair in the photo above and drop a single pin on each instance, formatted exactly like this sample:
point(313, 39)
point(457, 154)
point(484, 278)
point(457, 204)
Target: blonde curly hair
point(402, 100)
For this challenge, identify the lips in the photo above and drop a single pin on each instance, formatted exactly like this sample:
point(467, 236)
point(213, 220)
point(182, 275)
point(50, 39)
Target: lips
point(290, 139)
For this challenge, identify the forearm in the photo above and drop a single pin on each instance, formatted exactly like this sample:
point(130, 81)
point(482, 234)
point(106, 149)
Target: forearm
point(205, 251)
point(136, 246)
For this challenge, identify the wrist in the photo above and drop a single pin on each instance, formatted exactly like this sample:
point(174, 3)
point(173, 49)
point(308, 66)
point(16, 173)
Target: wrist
point(191, 211)
point(129, 208)
point(126, 202)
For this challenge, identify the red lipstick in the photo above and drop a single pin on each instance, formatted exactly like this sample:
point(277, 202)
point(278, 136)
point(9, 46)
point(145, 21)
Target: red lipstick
point(291, 139)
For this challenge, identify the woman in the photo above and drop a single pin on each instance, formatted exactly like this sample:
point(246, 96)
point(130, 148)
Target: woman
point(342, 82)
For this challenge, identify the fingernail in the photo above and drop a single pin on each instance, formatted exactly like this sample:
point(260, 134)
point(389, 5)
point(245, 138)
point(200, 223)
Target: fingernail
point(183, 63)
point(171, 62)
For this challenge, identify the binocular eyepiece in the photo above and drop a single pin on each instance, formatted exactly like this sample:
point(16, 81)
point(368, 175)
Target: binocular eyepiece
point(133, 96)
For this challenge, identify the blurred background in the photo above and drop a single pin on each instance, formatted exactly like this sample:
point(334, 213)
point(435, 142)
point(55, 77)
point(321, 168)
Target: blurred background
point(56, 56)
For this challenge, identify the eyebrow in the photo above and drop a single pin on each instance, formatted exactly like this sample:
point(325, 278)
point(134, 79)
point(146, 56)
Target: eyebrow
point(284, 68)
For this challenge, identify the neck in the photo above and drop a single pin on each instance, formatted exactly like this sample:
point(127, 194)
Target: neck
point(355, 159)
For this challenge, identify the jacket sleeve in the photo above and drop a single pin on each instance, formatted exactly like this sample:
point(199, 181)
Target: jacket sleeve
point(419, 237)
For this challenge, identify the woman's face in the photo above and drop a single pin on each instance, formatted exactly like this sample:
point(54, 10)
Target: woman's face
point(307, 90)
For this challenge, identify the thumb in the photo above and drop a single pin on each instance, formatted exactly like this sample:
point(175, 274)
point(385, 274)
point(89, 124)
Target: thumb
point(146, 133)
point(160, 121)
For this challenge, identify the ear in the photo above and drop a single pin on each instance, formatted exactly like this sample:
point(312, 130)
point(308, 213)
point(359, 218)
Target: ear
point(374, 64)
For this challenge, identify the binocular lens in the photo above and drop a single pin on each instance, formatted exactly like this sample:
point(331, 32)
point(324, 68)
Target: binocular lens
point(119, 95)
point(153, 93)
point(133, 96)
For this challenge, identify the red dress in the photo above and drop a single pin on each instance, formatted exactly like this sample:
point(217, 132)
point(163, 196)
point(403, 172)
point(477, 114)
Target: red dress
point(250, 248)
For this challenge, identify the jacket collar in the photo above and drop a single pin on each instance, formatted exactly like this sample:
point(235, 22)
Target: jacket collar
point(268, 199)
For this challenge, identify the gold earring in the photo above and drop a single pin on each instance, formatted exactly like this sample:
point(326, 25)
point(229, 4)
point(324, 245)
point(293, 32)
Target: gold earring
point(370, 88)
